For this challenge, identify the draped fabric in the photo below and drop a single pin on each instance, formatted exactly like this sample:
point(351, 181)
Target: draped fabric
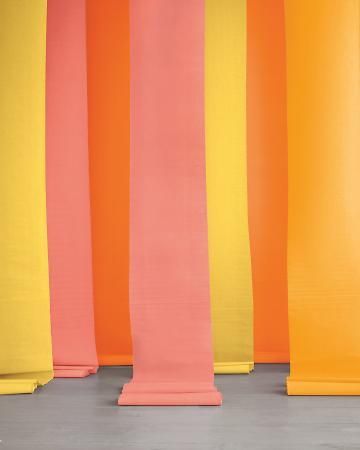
point(109, 103)
point(192, 166)
point(169, 283)
point(324, 189)
point(25, 336)
point(229, 253)
point(68, 202)
point(267, 176)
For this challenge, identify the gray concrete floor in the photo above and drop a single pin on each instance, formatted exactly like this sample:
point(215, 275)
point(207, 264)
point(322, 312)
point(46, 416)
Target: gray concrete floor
point(256, 414)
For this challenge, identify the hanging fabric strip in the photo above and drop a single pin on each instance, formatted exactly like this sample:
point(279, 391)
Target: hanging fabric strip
point(169, 285)
point(68, 203)
point(267, 172)
point(109, 105)
point(324, 190)
point(25, 335)
point(229, 251)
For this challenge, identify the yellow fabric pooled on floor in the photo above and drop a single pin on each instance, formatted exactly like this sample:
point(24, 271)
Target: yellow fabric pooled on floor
point(25, 337)
point(226, 174)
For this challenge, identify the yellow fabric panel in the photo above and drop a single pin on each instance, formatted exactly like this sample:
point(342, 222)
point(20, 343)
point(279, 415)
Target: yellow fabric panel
point(324, 192)
point(25, 338)
point(229, 253)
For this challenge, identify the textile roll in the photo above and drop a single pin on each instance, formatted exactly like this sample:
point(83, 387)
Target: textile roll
point(267, 176)
point(169, 283)
point(109, 134)
point(226, 173)
point(25, 335)
point(324, 188)
point(68, 199)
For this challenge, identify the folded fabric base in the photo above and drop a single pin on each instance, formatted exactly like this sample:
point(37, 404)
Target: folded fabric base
point(24, 383)
point(171, 394)
point(316, 386)
point(233, 367)
point(24, 386)
point(74, 371)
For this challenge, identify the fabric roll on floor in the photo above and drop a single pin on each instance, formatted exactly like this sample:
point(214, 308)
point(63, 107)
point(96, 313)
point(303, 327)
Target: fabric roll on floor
point(226, 176)
point(68, 198)
point(109, 134)
point(267, 176)
point(324, 189)
point(25, 335)
point(169, 282)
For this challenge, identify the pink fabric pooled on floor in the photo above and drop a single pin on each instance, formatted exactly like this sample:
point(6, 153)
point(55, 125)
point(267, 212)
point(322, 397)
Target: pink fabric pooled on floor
point(67, 190)
point(169, 280)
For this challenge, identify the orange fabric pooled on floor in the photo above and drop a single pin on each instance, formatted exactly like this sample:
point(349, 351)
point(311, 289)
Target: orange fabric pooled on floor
point(109, 110)
point(267, 176)
point(324, 191)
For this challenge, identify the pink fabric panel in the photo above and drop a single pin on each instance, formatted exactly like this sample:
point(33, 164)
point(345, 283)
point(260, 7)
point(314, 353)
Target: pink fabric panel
point(68, 202)
point(169, 282)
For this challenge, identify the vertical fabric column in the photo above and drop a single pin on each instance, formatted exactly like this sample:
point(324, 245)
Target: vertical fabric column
point(109, 114)
point(226, 172)
point(25, 335)
point(68, 202)
point(169, 283)
point(324, 190)
point(267, 174)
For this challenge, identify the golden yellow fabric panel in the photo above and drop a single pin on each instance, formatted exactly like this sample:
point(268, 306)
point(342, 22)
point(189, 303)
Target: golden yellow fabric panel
point(25, 357)
point(229, 253)
point(324, 191)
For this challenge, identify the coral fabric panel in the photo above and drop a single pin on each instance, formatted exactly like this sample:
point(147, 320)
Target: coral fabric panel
point(169, 282)
point(68, 199)
point(324, 189)
point(25, 334)
point(267, 176)
point(226, 176)
point(109, 135)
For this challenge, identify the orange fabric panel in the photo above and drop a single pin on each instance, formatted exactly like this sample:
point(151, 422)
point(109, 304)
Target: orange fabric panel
point(324, 190)
point(267, 176)
point(108, 97)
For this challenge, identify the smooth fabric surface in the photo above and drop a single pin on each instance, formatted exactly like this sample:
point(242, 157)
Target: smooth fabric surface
point(68, 199)
point(324, 189)
point(25, 336)
point(226, 176)
point(109, 134)
point(267, 176)
point(169, 282)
